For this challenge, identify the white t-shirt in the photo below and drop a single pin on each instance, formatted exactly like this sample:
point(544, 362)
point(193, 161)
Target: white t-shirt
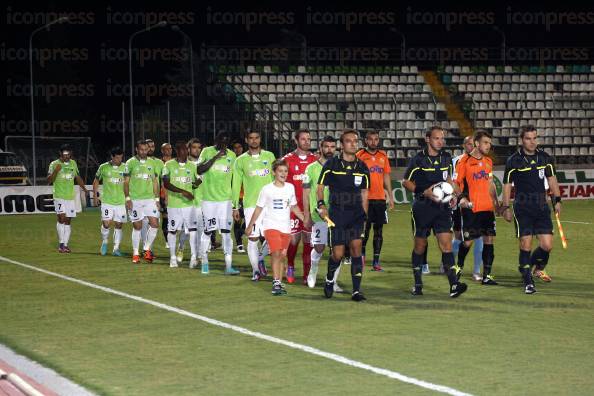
point(277, 202)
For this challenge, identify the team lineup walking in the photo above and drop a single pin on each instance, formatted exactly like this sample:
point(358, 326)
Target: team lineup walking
point(338, 197)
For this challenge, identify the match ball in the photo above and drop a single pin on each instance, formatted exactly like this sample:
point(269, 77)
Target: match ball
point(443, 192)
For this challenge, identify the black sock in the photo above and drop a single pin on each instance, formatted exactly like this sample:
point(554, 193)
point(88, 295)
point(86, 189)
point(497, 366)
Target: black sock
point(462, 252)
point(356, 272)
point(488, 257)
point(417, 263)
point(447, 260)
point(524, 266)
point(332, 267)
point(539, 258)
point(366, 237)
point(164, 223)
point(378, 240)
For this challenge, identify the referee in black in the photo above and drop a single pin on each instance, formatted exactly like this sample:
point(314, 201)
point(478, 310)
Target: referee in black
point(429, 167)
point(347, 179)
point(530, 170)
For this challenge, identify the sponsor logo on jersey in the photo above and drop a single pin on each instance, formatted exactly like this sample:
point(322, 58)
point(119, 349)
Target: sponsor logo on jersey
point(299, 177)
point(260, 172)
point(480, 175)
point(376, 169)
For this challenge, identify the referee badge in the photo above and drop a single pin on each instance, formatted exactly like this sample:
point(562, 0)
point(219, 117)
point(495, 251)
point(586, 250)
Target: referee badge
point(541, 173)
point(358, 180)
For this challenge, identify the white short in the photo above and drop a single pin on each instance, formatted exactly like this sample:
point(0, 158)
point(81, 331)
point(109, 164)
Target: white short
point(217, 215)
point(319, 233)
point(179, 218)
point(65, 206)
point(116, 213)
point(257, 231)
point(142, 208)
point(199, 218)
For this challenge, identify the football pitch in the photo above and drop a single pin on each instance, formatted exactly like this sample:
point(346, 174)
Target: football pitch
point(146, 329)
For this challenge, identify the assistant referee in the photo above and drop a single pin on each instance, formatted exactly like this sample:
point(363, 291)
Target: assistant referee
point(347, 178)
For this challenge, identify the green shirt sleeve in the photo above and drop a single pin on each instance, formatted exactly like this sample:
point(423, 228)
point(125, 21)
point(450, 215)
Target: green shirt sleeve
point(236, 182)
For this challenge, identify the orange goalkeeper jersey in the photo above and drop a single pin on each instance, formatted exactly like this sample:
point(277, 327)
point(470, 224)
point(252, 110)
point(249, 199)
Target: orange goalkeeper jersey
point(379, 165)
point(474, 177)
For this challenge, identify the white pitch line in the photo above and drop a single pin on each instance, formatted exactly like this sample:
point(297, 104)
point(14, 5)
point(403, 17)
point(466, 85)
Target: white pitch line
point(304, 348)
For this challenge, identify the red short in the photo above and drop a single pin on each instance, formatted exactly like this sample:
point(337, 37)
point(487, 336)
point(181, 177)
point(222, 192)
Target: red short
point(277, 241)
point(297, 225)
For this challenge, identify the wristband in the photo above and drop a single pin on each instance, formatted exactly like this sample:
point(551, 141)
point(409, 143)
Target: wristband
point(556, 200)
point(128, 199)
point(321, 203)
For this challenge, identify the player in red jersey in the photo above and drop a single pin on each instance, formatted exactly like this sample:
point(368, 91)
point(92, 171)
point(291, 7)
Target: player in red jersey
point(298, 160)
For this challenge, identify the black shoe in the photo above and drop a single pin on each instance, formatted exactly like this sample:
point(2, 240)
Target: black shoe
point(358, 296)
point(417, 291)
point(277, 289)
point(328, 288)
point(457, 288)
point(489, 280)
point(530, 289)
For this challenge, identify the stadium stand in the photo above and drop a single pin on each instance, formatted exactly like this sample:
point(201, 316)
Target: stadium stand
point(401, 101)
point(557, 99)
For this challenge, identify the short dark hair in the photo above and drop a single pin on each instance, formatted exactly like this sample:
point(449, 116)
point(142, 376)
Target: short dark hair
point(299, 132)
point(180, 143)
point(480, 133)
point(372, 132)
point(236, 142)
point(279, 162)
point(328, 139)
point(140, 141)
point(348, 132)
point(222, 135)
point(116, 151)
point(65, 147)
point(429, 131)
point(526, 128)
point(149, 140)
point(250, 131)
point(193, 141)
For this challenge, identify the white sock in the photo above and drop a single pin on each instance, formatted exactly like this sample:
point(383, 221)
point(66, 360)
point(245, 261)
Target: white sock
point(67, 231)
point(117, 238)
point(171, 241)
point(253, 254)
point(151, 234)
point(315, 257)
point(60, 230)
point(144, 229)
point(104, 234)
point(336, 273)
point(195, 242)
point(204, 244)
point(135, 241)
point(227, 248)
point(265, 251)
point(192, 236)
point(183, 237)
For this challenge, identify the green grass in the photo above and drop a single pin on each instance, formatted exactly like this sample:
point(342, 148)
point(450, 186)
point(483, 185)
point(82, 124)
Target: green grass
point(493, 340)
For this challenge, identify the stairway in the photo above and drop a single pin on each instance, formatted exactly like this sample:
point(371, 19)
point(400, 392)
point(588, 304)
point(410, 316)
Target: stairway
point(453, 110)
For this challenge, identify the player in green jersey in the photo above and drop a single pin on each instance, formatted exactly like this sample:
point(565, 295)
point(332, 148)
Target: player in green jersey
point(180, 179)
point(141, 188)
point(194, 148)
point(112, 200)
point(215, 164)
point(166, 152)
point(63, 173)
point(252, 171)
point(319, 228)
point(158, 167)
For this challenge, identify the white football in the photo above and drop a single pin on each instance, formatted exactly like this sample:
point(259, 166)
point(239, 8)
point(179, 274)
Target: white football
point(443, 192)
